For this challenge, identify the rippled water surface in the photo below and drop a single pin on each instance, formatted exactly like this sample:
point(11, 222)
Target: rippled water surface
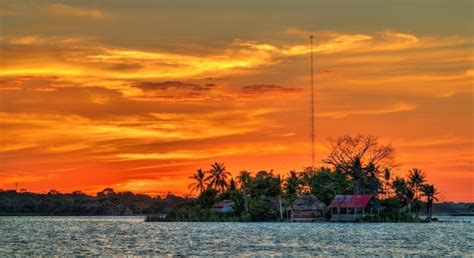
point(130, 235)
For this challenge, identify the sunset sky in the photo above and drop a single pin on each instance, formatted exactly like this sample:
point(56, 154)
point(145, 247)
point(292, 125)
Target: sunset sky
point(137, 95)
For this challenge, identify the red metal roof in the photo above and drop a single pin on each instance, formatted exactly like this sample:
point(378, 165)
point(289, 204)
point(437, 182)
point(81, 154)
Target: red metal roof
point(350, 201)
point(222, 204)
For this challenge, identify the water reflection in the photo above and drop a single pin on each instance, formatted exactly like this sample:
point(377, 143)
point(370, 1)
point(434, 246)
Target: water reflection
point(130, 235)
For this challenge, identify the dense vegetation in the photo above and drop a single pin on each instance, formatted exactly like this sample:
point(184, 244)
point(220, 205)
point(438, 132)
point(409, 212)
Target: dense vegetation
point(356, 165)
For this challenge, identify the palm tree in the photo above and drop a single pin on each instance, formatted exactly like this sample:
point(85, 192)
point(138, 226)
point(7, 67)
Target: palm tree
point(430, 192)
point(244, 179)
point(292, 187)
point(403, 191)
point(218, 176)
point(416, 179)
point(200, 183)
point(409, 197)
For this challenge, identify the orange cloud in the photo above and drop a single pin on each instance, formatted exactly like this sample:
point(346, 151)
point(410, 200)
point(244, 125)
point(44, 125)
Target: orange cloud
point(68, 10)
point(200, 154)
point(398, 107)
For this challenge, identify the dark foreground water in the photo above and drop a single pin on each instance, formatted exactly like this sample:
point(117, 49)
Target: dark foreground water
point(130, 235)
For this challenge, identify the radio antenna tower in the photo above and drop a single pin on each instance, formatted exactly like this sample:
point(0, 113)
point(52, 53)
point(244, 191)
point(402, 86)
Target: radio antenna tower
point(312, 104)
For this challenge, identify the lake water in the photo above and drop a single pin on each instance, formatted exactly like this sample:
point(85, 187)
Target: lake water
point(132, 236)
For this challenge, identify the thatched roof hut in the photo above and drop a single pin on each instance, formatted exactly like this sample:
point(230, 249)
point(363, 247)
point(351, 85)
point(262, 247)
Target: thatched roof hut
point(307, 208)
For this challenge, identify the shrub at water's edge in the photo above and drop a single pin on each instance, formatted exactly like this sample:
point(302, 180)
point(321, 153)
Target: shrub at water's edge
point(199, 215)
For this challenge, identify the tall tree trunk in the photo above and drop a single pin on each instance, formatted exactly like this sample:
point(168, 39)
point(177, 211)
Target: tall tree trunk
point(246, 202)
point(281, 209)
point(417, 206)
point(430, 205)
point(356, 186)
point(427, 207)
point(357, 177)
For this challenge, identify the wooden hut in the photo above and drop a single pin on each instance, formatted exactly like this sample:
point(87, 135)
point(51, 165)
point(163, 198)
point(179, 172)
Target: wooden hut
point(353, 207)
point(307, 208)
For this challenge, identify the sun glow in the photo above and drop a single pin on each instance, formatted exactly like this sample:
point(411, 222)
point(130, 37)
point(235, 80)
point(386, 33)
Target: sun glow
point(83, 107)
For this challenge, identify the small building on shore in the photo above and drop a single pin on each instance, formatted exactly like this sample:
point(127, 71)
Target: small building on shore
point(353, 207)
point(307, 208)
point(224, 206)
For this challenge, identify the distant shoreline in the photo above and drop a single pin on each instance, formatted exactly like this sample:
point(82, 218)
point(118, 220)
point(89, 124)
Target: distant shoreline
point(67, 215)
point(3, 214)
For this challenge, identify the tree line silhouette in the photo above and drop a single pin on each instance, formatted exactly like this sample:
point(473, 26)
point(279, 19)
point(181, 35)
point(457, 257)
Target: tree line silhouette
point(355, 165)
point(106, 202)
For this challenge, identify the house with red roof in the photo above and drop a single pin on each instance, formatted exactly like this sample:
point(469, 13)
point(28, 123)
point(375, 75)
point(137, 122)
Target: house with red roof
point(353, 207)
